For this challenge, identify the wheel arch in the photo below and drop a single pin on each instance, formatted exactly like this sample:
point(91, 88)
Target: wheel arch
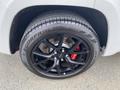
point(25, 16)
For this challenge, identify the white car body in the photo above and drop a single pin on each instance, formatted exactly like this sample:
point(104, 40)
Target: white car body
point(110, 8)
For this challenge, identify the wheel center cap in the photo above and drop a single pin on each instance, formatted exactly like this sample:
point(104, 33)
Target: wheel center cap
point(60, 53)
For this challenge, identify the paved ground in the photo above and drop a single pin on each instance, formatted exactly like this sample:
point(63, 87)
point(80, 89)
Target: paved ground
point(104, 75)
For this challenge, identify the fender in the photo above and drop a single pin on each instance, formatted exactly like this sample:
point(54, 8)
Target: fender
point(111, 9)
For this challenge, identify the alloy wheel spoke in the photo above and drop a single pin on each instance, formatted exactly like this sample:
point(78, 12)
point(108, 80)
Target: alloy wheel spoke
point(58, 69)
point(56, 66)
point(36, 64)
point(49, 69)
point(73, 62)
point(42, 55)
point(71, 66)
point(61, 41)
point(75, 46)
point(81, 52)
point(41, 61)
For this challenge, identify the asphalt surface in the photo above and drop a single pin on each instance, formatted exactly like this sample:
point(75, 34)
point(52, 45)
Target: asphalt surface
point(103, 75)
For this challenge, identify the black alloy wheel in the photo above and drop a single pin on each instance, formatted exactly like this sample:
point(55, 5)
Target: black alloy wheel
point(59, 45)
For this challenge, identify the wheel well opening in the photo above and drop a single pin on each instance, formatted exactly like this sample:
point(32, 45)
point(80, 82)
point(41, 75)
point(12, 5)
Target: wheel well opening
point(25, 16)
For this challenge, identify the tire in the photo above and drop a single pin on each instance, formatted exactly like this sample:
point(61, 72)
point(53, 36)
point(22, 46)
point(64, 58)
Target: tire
point(52, 24)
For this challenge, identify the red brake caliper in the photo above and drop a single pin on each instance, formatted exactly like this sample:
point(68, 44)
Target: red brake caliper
point(74, 56)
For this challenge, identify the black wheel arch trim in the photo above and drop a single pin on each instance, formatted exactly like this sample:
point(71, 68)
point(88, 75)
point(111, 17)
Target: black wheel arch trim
point(19, 26)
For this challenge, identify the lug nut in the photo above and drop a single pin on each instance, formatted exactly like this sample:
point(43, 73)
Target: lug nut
point(67, 55)
point(62, 59)
point(55, 52)
point(64, 73)
point(55, 58)
point(63, 50)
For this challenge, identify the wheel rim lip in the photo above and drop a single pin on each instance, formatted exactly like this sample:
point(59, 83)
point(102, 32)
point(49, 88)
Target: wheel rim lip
point(51, 75)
